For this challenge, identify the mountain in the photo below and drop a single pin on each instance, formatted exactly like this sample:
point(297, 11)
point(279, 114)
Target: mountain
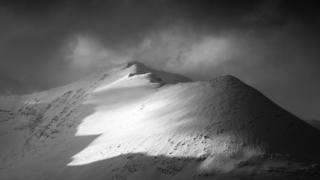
point(314, 123)
point(135, 122)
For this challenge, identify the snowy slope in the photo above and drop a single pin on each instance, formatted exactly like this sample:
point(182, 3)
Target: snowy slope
point(134, 122)
point(314, 123)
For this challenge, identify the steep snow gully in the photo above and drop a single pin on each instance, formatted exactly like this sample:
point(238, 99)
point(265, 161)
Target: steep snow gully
point(134, 122)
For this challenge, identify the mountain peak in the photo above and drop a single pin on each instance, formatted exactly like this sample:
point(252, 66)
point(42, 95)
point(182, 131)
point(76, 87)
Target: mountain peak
point(226, 79)
point(159, 76)
point(135, 63)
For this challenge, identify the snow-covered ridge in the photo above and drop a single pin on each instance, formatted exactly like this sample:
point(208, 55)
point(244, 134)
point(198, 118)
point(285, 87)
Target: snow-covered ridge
point(156, 75)
point(134, 122)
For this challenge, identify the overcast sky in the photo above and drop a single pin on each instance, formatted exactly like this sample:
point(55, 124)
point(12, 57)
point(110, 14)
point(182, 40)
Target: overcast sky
point(271, 45)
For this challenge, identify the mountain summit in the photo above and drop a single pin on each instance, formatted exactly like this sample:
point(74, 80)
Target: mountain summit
point(134, 122)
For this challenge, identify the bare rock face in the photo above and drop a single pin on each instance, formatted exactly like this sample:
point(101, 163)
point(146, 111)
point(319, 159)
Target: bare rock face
point(134, 122)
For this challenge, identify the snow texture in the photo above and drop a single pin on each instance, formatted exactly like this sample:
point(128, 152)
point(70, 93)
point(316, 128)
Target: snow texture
point(134, 122)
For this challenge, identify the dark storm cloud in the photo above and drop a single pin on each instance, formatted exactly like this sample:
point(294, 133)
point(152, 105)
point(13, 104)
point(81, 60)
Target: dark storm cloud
point(33, 32)
point(272, 45)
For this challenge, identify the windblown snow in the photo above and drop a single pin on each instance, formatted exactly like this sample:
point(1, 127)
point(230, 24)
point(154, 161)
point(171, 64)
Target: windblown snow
point(134, 122)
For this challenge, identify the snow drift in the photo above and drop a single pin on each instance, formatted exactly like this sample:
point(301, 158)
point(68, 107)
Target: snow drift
point(134, 122)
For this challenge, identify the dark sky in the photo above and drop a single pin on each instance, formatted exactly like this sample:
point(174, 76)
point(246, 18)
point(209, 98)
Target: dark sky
point(271, 45)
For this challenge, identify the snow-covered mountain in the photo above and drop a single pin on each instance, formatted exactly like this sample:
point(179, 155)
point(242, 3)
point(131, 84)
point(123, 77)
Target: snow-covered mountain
point(314, 123)
point(134, 122)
